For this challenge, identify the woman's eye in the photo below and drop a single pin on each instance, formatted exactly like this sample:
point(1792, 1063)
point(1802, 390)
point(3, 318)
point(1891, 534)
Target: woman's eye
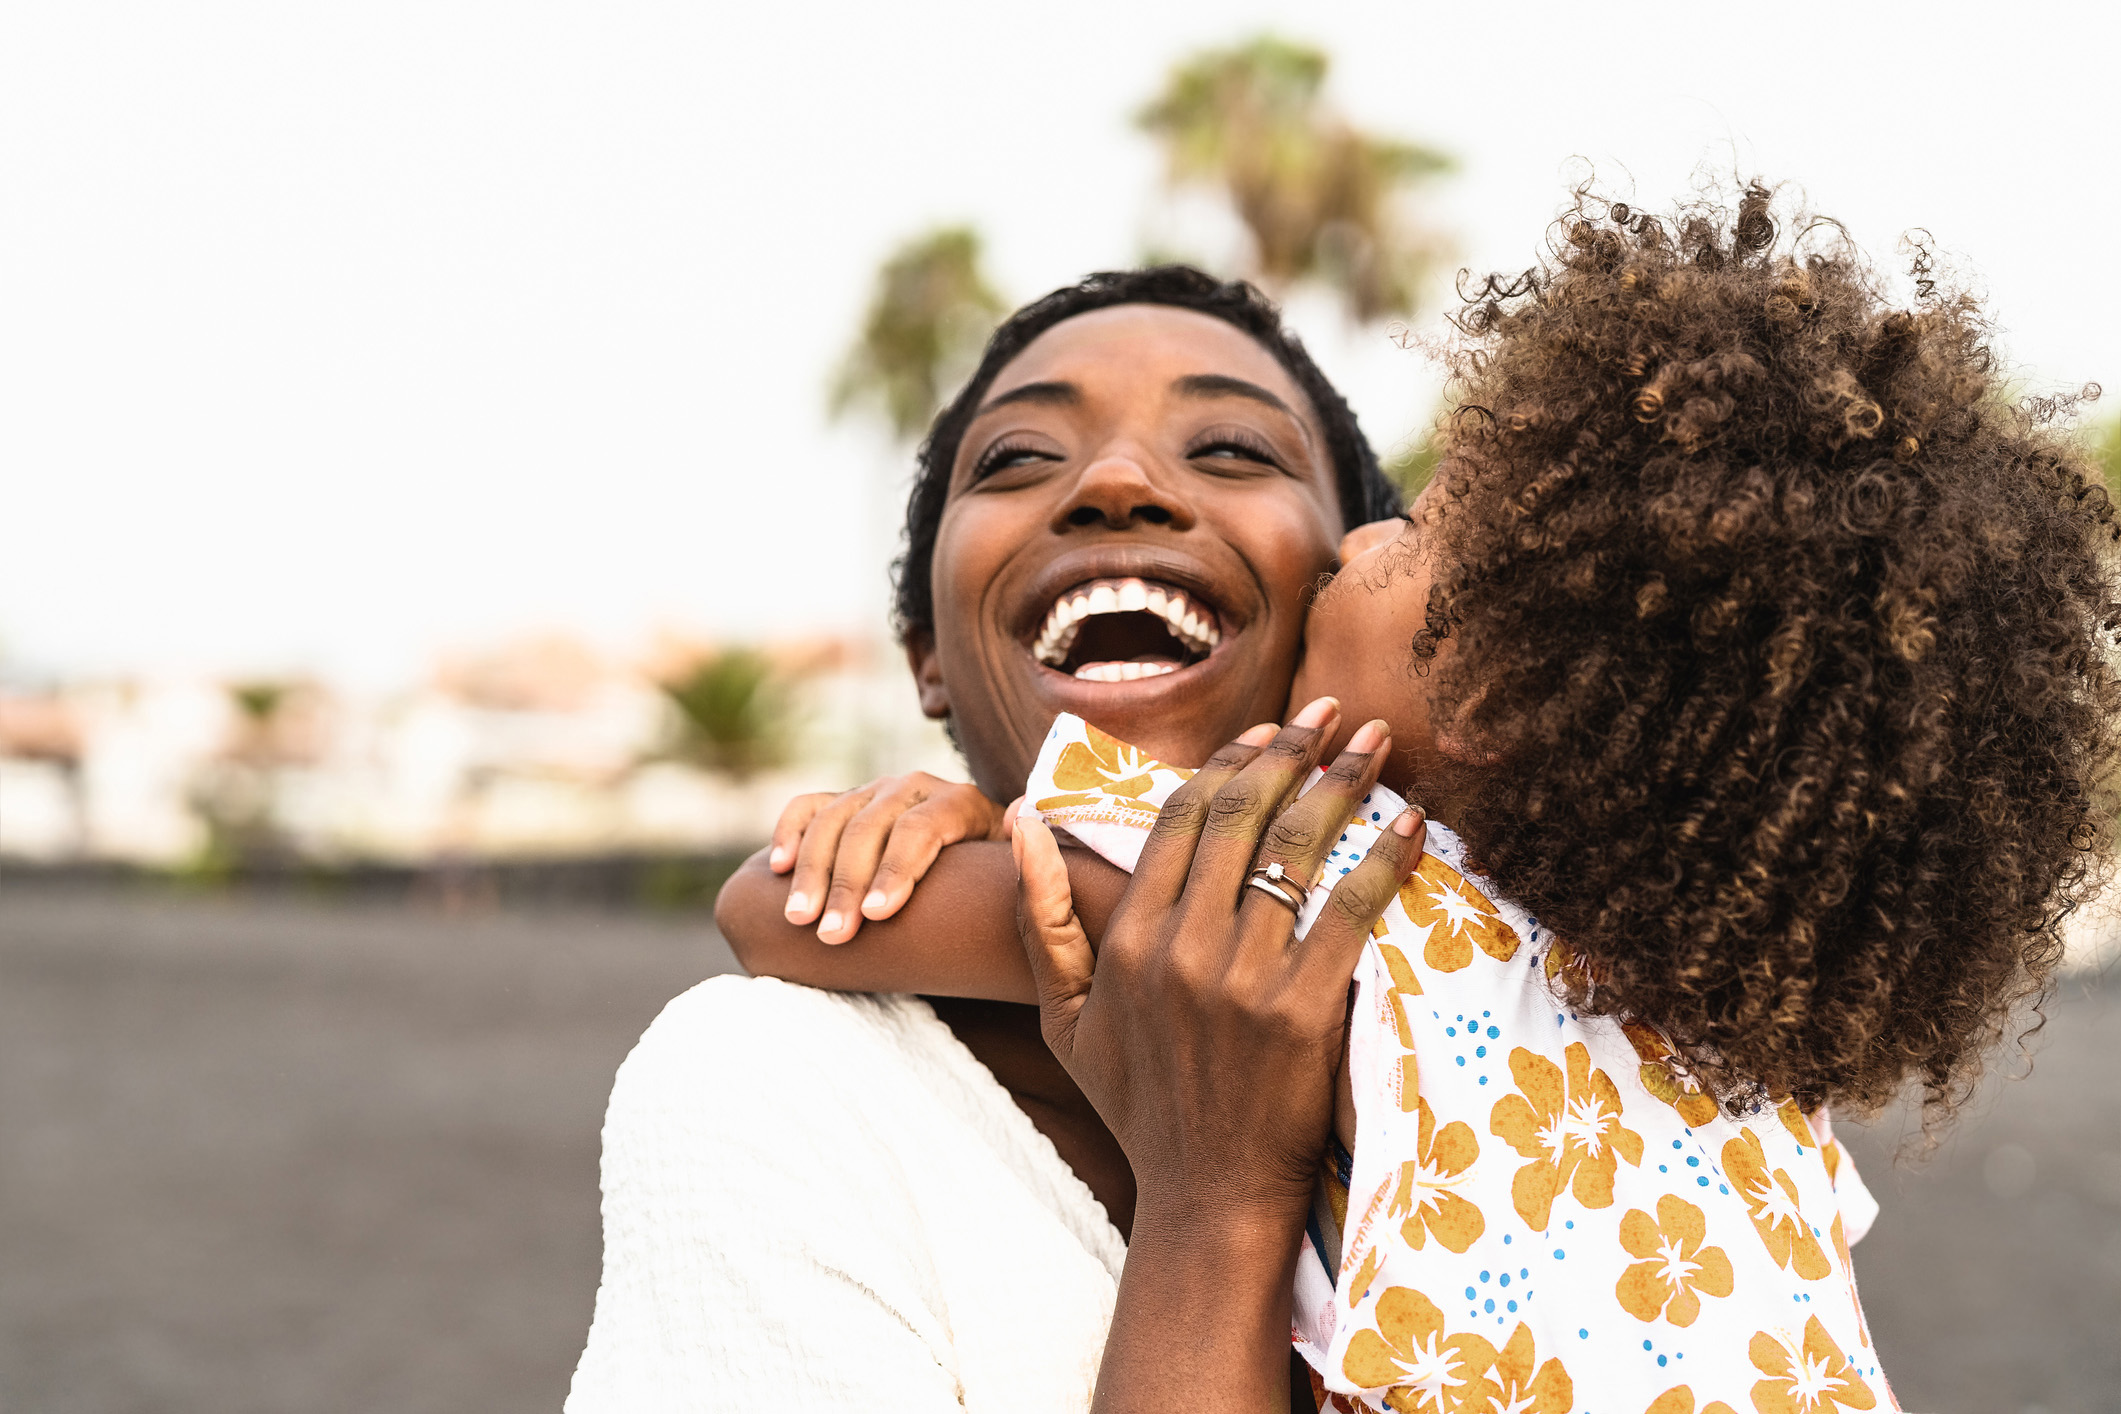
point(1233, 449)
point(1005, 457)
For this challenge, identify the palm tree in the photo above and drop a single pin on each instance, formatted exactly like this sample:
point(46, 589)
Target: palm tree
point(236, 793)
point(732, 713)
point(1321, 199)
point(929, 315)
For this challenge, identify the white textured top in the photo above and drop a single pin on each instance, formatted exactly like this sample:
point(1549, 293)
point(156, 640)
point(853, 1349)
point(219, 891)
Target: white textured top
point(815, 1200)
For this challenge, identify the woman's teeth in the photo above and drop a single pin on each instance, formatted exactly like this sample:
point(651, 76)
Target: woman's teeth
point(1122, 672)
point(1192, 625)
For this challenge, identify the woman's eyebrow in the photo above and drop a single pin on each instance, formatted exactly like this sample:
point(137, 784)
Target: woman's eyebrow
point(1222, 385)
point(1051, 393)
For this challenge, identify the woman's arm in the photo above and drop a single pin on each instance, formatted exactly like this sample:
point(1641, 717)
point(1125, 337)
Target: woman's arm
point(955, 936)
point(1208, 1038)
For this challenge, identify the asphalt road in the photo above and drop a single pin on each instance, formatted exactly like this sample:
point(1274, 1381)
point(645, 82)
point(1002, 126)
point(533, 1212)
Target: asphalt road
point(288, 1157)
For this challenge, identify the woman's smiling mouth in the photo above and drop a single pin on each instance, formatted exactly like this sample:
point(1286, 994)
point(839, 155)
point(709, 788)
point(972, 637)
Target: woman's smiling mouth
point(1121, 630)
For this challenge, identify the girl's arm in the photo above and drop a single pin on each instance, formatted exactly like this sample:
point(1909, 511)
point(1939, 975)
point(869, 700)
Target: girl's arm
point(955, 936)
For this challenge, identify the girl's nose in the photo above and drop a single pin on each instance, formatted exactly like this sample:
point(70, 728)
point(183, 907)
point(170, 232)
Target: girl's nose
point(1365, 538)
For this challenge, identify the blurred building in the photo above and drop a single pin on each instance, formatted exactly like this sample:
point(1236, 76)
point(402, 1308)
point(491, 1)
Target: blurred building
point(538, 748)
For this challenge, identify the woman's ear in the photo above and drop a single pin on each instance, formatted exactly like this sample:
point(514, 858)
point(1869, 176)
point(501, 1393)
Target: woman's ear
point(927, 673)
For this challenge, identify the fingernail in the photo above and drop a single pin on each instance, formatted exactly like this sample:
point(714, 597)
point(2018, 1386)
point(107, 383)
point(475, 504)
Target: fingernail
point(778, 858)
point(1406, 824)
point(1317, 713)
point(1368, 737)
point(830, 923)
point(1259, 735)
point(798, 904)
point(876, 899)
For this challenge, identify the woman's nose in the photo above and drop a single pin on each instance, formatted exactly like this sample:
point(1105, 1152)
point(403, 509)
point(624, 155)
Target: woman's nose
point(1118, 491)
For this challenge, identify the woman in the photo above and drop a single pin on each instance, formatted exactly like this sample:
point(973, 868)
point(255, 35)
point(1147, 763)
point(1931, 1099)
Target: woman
point(813, 1199)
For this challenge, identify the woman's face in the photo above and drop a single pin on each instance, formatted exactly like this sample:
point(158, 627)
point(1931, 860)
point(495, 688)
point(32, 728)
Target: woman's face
point(1135, 517)
point(1358, 648)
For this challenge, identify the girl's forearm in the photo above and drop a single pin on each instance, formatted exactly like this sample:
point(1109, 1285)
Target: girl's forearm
point(955, 937)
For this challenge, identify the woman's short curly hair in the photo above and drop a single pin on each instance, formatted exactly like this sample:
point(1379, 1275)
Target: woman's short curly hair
point(1796, 635)
point(1365, 493)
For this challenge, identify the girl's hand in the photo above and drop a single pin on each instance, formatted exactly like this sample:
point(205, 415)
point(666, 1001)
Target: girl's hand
point(1208, 1038)
point(872, 844)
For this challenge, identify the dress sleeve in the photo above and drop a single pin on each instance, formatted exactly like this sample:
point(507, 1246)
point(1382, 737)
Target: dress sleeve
point(753, 1259)
point(1858, 1208)
point(1099, 789)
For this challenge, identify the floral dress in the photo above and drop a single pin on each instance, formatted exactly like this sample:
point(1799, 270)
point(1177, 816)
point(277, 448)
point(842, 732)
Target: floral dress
point(1542, 1213)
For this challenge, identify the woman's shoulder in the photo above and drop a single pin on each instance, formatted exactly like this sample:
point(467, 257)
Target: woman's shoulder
point(805, 1080)
point(732, 1036)
point(735, 1029)
point(797, 1206)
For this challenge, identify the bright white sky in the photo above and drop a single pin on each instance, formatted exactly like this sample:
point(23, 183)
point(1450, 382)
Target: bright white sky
point(335, 335)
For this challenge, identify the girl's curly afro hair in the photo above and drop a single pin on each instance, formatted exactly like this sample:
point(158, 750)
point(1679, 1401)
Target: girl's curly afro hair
point(1796, 638)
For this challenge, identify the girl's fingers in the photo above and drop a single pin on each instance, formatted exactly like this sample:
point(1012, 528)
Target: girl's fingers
point(943, 819)
point(1054, 943)
point(854, 863)
point(814, 856)
point(796, 816)
point(1160, 873)
point(1328, 952)
point(1241, 809)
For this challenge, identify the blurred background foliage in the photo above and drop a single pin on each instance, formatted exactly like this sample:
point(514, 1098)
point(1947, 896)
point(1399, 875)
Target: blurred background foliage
point(236, 792)
point(732, 713)
point(929, 313)
point(1320, 198)
point(2106, 446)
point(1322, 203)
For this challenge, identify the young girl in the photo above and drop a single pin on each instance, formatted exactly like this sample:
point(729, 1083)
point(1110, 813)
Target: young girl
point(1750, 643)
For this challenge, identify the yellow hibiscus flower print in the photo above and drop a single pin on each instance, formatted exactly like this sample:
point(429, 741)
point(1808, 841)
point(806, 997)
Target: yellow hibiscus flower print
point(1372, 1261)
point(1771, 1202)
point(1103, 769)
point(1848, 1272)
point(1570, 1129)
point(1676, 1271)
point(1831, 1155)
point(1562, 962)
point(1405, 985)
point(1809, 1378)
point(1457, 917)
point(1679, 1399)
point(1519, 1384)
point(1799, 1127)
point(1443, 1160)
point(1664, 1077)
point(1407, 1353)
